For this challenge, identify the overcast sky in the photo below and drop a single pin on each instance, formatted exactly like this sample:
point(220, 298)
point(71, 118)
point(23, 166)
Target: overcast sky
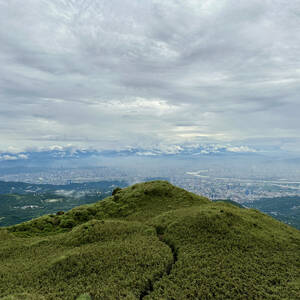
point(117, 73)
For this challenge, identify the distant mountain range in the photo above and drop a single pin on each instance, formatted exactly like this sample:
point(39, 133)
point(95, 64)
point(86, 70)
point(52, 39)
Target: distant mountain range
point(20, 202)
point(71, 152)
point(25, 188)
point(58, 152)
point(285, 209)
point(57, 156)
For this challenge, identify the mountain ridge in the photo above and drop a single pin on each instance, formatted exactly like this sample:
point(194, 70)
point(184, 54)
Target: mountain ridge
point(151, 241)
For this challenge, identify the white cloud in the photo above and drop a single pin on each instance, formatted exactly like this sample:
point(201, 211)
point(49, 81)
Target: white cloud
point(22, 156)
point(110, 73)
point(241, 149)
point(13, 157)
point(146, 153)
point(8, 157)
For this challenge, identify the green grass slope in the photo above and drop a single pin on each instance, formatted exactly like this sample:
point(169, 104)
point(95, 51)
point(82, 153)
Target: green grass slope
point(138, 202)
point(151, 241)
point(230, 202)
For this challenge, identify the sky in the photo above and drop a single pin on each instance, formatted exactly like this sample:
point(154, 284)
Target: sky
point(111, 74)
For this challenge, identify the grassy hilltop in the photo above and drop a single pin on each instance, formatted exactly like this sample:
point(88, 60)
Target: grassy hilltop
point(151, 241)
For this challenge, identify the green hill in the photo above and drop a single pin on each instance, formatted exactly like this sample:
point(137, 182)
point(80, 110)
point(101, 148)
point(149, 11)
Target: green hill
point(284, 209)
point(151, 241)
point(230, 202)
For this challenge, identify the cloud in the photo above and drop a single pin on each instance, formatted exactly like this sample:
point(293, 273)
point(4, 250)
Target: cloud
point(241, 149)
point(112, 74)
point(20, 156)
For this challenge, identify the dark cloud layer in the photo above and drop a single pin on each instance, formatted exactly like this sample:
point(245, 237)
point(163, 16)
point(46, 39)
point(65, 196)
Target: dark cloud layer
point(111, 74)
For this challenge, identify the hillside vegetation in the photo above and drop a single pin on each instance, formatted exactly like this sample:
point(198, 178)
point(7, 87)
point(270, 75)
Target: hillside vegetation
point(151, 241)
